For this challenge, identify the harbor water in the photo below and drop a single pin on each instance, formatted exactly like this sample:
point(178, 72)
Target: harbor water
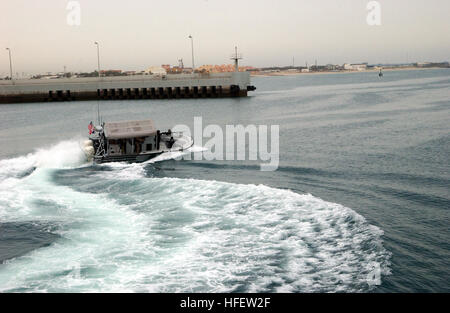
point(359, 203)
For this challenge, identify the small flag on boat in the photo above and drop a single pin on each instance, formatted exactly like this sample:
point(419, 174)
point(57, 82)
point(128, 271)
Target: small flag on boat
point(91, 128)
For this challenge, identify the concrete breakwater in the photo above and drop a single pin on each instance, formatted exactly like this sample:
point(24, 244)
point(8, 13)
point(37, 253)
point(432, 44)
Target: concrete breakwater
point(235, 84)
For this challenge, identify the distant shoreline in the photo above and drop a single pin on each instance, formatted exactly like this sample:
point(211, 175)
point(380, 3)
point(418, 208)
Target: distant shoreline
point(290, 73)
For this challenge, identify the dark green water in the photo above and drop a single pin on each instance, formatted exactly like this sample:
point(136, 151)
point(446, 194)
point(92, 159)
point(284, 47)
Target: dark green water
point(363, 183)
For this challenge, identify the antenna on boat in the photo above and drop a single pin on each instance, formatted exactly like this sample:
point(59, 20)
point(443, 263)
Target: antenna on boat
point(98, 112)
point(98, 82)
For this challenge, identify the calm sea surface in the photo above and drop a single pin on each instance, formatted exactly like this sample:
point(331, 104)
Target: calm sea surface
point(360, 201)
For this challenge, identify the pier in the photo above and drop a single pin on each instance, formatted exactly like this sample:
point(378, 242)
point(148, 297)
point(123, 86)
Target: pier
point(170, 86)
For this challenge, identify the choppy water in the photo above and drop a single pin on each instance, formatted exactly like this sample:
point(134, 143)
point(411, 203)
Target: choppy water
point(363, 184)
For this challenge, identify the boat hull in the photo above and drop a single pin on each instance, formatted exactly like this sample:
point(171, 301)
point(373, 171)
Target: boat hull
point(181, 144)
point(130, 158)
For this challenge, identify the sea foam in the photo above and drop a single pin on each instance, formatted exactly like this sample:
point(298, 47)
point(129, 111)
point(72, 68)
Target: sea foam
point(138, 233)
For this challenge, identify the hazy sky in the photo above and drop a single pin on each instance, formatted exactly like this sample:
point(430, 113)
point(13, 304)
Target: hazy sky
point(136, 34)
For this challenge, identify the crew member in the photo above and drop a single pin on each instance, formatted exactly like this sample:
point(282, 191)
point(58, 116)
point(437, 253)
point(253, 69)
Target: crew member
point(170, 143)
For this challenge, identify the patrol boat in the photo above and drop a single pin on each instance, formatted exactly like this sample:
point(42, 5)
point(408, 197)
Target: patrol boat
point(131, 141)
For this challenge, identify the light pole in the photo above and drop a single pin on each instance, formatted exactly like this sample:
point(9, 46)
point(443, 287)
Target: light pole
point(98, 57)
point(10, 64)
point(192, 47)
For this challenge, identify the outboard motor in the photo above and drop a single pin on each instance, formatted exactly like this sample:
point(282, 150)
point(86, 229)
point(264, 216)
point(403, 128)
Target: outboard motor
point(88, 147)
